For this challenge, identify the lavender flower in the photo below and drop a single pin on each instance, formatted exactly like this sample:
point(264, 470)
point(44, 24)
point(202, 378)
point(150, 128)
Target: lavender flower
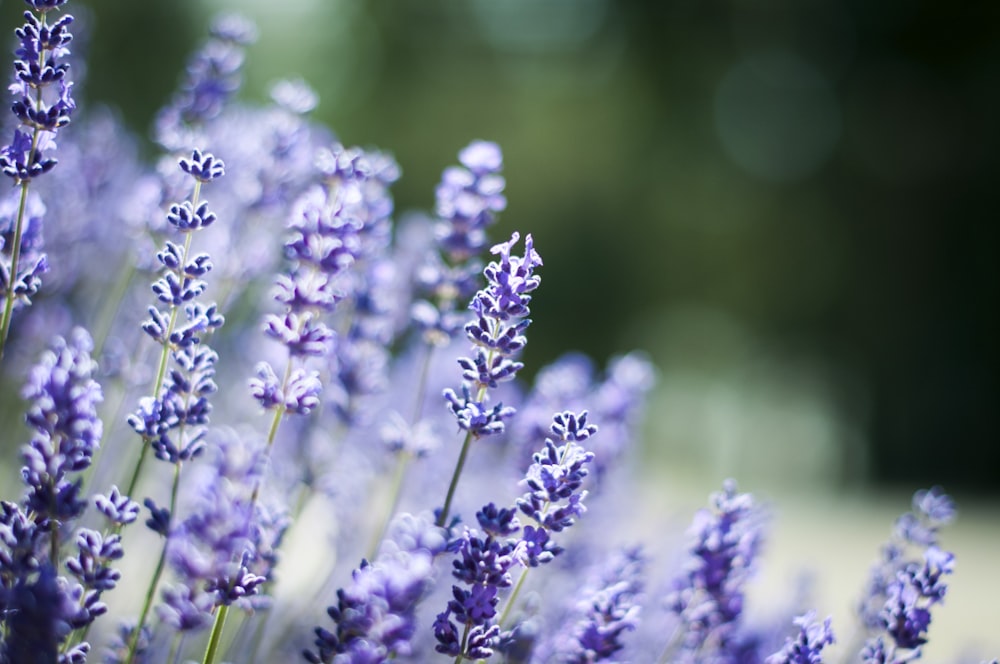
point(497, 334)
point(807, 646)
point(914, 530)
point(66, 430)
point(32, 261)
point(484, 563)
point(707, 598)
point(323, 243)
point(906, 614)
point(37, 619)
point(554, 499)
point(374, 615)
point(172, 421)
point(607, 608)
point(42, 93)
point(468, 199)
point(213, 76)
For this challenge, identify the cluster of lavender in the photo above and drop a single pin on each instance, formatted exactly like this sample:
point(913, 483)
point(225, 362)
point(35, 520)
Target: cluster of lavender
point(313, 520)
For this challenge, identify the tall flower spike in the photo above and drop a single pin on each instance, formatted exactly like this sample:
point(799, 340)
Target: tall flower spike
point(214, 74)
point(497, 334)
point(324, 242)
point(66, 430)
point(468, 200)
point(707, 598)
point(604, 612)
point(43, 104)
point(913, 533)
point(172, 421)
point(906, 615)
point(484, 563)
point(375, 614)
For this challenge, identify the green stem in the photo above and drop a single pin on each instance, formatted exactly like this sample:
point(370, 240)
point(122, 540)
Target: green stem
point(399, 477)
point(272, 432)
point(465, 642)
point(155, 582)
point(175, 648)
point(513, 598)
point(213, 640)
point(109, 312)
point(15, 257)
point(466, 444)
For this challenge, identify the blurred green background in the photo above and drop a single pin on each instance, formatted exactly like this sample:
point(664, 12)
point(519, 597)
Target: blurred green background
point(790, 205)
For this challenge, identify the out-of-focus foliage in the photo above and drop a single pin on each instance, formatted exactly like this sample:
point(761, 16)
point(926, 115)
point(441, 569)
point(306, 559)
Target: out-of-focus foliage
point(790, 204)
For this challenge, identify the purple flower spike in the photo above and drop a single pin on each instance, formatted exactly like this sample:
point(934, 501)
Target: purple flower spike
point(43, 102)
point(907, 582)
point(497, 333)
point(375, 614)
point(708, 597)
point(606, 610)
point(63, 416)
point(468, 200)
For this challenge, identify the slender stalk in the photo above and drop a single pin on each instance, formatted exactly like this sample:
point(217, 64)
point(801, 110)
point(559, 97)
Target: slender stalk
point(15, 255)
point(466, 444)
point(161, 370)
point(513, 598)
point(111, 307)
point(175, 648)
point(399, 476)
point(396, 490)
point(15, 258)
point(272, 432)
point(157, 574)
point(465, 642)
point(213, 640)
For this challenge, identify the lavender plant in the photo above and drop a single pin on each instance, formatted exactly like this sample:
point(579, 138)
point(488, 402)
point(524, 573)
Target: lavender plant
point(295, 537)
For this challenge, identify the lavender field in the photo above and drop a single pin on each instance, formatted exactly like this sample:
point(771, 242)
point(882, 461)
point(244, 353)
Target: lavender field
point(255, 412)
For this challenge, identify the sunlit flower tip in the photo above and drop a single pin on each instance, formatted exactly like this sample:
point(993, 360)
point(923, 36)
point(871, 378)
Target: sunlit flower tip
point(235, 28)
point(296, 96)
point(569, 426)
point(474, 417)
point(203, 166)
point(934, 505)
point(481, 157)
point(116, 507)
point(343, 164)
point(807, 646)
point(43, 6)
